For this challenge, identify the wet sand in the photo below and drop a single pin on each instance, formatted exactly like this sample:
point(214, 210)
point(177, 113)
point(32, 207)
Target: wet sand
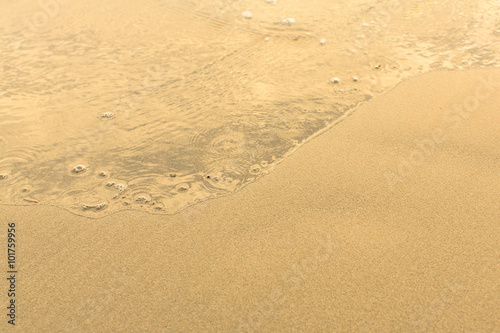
point(388, 222)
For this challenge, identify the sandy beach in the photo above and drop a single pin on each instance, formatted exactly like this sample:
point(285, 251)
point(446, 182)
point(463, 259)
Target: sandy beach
point(387, 222)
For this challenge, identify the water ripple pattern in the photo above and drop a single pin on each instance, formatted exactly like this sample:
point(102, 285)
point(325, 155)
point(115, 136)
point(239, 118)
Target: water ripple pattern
point(157, 105)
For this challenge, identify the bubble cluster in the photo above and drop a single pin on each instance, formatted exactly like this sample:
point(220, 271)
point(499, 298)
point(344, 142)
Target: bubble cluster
point(121, 188)
point(108, 115)
point(79, 169)
point(143, 199)
point(97, 207)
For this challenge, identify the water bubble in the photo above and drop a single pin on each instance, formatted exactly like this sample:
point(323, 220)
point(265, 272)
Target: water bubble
point(108, 115)
point(288, 21)
point(335, 80)
point(143, 199)
point(272, 1)
point(26, 188)
point(222, 179)
point(255, 169)
point(159, 206)
point(103, 174)
point(100, 206)
point(79, 169)
point(322, 41)
point(97, 207)
point(355, 79)
point(121, 188)
point(247, 14)
point(183, 187)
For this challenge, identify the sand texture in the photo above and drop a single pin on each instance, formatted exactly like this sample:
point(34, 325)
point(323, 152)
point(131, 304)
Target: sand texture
point(388, 222)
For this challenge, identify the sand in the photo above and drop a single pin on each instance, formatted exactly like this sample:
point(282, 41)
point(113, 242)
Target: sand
point(388, 222)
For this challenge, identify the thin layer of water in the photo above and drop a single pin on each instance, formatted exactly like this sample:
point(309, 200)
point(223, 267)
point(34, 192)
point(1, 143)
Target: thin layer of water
point(159, 105)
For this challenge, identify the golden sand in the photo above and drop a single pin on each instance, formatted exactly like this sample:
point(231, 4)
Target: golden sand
point(388, 222)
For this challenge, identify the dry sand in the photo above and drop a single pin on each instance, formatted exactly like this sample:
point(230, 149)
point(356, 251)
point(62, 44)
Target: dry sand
point(329, 241)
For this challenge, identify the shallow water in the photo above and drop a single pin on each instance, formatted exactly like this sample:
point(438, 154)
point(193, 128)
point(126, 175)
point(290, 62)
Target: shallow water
point(159, 105)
